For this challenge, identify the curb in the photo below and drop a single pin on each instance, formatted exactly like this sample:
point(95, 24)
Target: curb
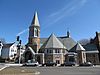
point(13, 64)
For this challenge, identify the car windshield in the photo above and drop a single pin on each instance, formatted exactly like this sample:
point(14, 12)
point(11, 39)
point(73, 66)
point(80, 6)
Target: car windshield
point(34, 62)
point(30, 61)
point(69, 62)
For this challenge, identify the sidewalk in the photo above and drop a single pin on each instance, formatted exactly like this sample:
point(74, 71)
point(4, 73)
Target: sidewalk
point(18, 71)
point(3, 65)
point(13, 64)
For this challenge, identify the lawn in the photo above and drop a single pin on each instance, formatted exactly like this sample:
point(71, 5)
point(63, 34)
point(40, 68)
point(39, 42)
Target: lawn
point(17, 71)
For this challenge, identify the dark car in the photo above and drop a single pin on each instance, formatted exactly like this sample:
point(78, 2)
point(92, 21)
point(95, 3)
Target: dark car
point(68, 64)
point(86, 64)
point(49, 64)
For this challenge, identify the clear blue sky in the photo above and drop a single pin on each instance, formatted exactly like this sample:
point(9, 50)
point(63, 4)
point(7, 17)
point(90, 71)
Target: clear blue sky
point(81, 17)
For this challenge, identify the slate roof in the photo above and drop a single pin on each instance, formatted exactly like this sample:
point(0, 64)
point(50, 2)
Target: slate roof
point(35, 21)
point(43, 40)
point(77, 47)
point(68, 42)
point(53, 42)
point(72, 45)
point(90, 47)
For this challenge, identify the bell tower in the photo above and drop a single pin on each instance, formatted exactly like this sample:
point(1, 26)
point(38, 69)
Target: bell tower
point(34, 34)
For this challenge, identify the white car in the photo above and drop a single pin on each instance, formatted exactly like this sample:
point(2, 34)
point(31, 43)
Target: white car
point(33, 63)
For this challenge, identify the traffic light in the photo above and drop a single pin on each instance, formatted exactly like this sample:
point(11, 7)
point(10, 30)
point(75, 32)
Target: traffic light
point(0, 43)
point(20, 42)
point(17, 38)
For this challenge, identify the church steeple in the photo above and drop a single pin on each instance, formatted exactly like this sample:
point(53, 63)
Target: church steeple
point(34, 34)
point(34, 29)
point(35, 21)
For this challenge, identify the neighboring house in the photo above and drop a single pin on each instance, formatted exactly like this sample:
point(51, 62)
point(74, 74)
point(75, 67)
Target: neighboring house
point(10, 51)
point(92, 53)
point(6, 50)
point(96, 41)
point(1, 45)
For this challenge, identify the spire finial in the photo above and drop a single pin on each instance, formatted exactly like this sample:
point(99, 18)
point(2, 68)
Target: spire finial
point(68, 33)
point(35, 20)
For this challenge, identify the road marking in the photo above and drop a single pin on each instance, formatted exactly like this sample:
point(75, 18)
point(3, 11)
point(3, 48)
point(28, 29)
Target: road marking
point(3, 68)
point(36, 73)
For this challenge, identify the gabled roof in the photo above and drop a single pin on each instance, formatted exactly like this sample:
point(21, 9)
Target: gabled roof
point(53, 42)
point(35, 21)
point(68, 42)
point(7, 45)
point(77, 47)
point(29, 49)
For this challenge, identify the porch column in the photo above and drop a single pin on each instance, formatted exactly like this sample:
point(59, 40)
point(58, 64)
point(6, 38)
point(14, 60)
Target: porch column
point(43, 58)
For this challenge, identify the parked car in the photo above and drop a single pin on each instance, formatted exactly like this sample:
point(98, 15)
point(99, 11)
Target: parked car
point(68, 64)
point(49, 64)
point(33, 63)
point(86, 64)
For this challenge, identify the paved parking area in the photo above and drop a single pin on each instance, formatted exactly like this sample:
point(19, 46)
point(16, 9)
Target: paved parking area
point(67, 70)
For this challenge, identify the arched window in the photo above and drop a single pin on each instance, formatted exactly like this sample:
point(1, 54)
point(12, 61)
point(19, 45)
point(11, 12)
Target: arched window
point(35, 32)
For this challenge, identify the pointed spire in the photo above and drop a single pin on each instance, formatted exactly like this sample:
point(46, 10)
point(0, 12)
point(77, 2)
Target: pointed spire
point(35, 21)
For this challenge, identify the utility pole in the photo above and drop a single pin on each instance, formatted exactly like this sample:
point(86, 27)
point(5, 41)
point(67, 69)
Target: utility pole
point(1, 45)
point(18, 49)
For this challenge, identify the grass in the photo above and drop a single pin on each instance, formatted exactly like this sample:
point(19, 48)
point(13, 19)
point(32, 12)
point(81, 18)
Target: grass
point(17, 71)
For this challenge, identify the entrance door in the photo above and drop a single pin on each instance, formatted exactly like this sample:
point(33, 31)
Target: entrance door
point(28, 56)
point(71, 59)
point(58, 61)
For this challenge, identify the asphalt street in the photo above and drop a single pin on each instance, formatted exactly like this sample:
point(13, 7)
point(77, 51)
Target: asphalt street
point(67, 70)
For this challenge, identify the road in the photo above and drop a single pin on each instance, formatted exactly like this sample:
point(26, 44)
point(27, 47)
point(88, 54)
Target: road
point(64, 70)
point(67, 70)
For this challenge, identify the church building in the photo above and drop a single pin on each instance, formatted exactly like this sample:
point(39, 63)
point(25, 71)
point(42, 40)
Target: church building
point(57, 49)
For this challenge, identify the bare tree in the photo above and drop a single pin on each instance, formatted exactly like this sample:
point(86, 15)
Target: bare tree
point(2, 40)
point(84, 41)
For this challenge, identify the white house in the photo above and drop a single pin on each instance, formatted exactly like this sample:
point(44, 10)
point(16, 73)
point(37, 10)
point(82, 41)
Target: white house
point(1, 45)
point(10, 51)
